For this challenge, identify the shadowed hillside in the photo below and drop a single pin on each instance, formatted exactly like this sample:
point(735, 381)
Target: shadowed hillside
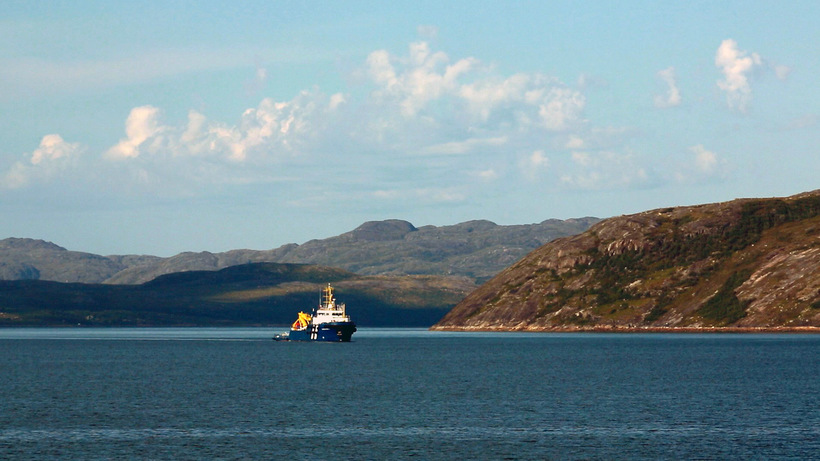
point(249, 294)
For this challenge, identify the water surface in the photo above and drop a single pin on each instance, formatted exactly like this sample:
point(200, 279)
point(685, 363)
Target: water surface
point(232, 393)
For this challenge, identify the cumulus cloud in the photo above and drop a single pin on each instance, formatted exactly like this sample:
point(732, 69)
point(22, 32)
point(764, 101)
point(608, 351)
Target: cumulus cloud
point(672, 96)
point(268, 131)
point(421, 77)
point(530, 100)
point(417, 105)
point(737, 67)
point(420, 102)
point(560, 108)
point(429, 80)
point(53, 156)
point(337, 100)
point(141, 125)
point(53, 147)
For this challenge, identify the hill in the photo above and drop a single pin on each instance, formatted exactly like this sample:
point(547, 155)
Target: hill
point(248, 294)
point(475, 249)
point(744, 264)
point(29, 259)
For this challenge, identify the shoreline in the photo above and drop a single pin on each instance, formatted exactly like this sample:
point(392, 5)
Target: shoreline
point(628, 330)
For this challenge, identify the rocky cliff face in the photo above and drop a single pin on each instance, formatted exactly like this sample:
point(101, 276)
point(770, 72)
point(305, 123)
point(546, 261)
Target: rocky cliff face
point(749, 263)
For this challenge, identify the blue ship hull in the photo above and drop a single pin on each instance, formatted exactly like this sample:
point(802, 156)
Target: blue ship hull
point(334, 331)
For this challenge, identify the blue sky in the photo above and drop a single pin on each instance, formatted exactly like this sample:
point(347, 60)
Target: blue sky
point(161, 127)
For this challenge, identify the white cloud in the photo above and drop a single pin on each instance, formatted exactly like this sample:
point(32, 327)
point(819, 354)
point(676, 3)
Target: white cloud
point(672, 97)
point(16, 177)
point(192, 134)
point(538, 159)
point(53, 147)
point(427, 83)
point(381, 70)
point(782, 72)
point(419, 105)
point(421, 77)
point(561, 108)
point(533, 164)
point(575, 142)
point(736, 66)
point(705, 161)
point(605, 170)
point(487, 175)
point(269, 131)
point(141, 125)
point(700, 166)
point(50, 159)
point(486, 95)
point(529, 100)
point(337, 100)
point(582, 158)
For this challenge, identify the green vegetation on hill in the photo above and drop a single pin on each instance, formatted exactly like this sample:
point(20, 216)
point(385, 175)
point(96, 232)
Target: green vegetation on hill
point(745, 263)
point(724, 308)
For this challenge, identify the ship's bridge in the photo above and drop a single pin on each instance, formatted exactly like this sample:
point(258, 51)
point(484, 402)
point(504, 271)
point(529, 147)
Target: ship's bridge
point(328, 310)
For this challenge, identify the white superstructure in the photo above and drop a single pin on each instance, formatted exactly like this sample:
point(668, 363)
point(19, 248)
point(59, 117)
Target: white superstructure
point(328, 310)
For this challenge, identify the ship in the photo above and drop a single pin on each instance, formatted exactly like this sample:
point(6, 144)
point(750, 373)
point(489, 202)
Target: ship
point(329, 322)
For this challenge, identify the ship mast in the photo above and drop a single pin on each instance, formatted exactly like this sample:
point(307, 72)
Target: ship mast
point(328, 298)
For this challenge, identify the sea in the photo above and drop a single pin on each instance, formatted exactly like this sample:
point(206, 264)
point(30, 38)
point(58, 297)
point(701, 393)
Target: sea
point(390, 394)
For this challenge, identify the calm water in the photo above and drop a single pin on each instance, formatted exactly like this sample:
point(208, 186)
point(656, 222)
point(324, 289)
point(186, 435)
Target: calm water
point(397, 394)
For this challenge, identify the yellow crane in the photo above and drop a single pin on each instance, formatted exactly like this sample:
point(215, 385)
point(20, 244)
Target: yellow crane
point(302, 322)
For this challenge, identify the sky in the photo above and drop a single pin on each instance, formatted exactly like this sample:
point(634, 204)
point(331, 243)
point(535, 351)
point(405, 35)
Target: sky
point(162, 127)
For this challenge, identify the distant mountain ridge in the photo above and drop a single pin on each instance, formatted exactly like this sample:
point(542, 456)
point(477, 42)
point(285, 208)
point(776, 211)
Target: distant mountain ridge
point(30, 259)
point(475, 249)
point(745, 264)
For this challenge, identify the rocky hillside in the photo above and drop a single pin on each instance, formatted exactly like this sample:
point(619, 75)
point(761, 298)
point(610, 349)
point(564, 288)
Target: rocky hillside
point(749, 263)
point(475, 249)
point(29, 259)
